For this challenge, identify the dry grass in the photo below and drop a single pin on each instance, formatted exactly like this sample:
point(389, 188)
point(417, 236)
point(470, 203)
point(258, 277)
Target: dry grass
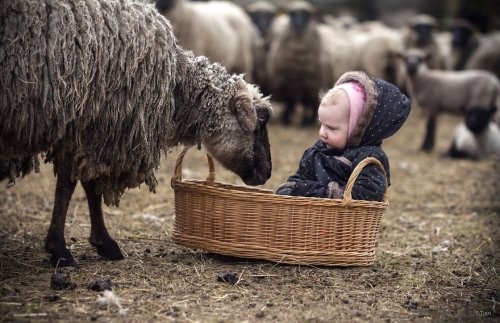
point(436, 257)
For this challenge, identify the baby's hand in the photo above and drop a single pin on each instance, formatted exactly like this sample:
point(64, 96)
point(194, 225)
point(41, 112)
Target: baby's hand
point(286, 188)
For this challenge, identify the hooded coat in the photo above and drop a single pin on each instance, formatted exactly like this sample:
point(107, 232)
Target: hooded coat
point(324, 172)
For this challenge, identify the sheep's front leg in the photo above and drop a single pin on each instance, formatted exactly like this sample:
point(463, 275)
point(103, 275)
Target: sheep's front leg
point(430, 132)
point(99, 237)
point(55, 244)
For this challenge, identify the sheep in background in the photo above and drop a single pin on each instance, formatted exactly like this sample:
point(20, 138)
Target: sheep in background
point(468, 144)
point(304, 59)
point(443, 42)
point(262, 14)
point(465, 38)
point(421, 33)
point(376, 47)
point(220, 30)
point(437, 91)
point(104, 110)
point(487, 55)
point(473, 50)
point(343, 21)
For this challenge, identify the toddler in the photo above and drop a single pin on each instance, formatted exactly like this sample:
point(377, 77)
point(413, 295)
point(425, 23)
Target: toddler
point(355, 116)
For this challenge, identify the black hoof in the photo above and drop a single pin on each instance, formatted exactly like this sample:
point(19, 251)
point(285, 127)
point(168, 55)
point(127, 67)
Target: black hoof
point(426, 148)
point(109, 249)
point(62, 258)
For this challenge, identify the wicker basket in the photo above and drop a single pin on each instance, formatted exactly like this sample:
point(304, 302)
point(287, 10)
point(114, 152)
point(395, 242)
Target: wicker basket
point(252, 222)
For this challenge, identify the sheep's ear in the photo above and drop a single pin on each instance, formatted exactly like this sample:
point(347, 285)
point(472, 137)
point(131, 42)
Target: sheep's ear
point(245, 111)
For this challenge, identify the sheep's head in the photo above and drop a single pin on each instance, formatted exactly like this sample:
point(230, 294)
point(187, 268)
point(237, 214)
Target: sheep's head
point(414, 58)
point(423, 26)
point(478, 118)
point(461, 33)
point(301, 14)
point(242, 146)
point(262, 14)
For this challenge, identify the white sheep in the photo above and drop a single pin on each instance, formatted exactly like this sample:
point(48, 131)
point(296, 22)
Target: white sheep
point(219, 30)
point(105, 110)
point(467, 144)
point(438, 91)
point(376, 47)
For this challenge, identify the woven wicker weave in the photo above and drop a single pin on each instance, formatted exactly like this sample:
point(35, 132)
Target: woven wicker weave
point(255, 223)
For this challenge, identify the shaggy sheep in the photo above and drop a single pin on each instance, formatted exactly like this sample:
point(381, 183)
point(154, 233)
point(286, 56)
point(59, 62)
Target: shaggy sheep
point(453, 91)
point(220, 30)
point(467, 144)
point(17, 167)
point(103, 90)
point(304, 59)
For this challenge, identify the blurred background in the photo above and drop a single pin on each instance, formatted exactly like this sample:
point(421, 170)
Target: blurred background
point(296, 50)
point(483, 13)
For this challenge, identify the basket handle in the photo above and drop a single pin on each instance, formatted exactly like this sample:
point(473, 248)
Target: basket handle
point(347, 200)
point(178, 168)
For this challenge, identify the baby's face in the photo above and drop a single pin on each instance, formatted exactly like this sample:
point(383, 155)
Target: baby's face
point(333, 116)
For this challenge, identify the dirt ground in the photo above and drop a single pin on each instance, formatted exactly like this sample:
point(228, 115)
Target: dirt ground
point(437, 253)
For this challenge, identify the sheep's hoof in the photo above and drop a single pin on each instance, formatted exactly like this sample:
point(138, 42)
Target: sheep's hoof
point(108, 249)
point(61, 257)
point(426, 148)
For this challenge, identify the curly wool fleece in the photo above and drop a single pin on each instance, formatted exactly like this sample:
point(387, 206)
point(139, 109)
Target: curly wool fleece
point(101, 85)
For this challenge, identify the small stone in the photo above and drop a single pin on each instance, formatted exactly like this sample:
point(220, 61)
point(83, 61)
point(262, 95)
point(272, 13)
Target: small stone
point(228, 277)
point(60, 280)
point(100, 285)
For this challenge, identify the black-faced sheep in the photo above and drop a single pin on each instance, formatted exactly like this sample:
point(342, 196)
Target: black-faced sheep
point(452, 91)
point(305, 59)
point(219, 30)
point(473, 50)
point(421, 33)
point(475, 145)
point(103, 90)
point(262, 14)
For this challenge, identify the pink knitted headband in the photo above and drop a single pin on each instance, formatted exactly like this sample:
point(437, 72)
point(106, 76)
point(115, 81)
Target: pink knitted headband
point(357, 98)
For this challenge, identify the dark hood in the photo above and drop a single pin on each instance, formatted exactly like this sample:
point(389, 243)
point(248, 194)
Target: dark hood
point(385, 110)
